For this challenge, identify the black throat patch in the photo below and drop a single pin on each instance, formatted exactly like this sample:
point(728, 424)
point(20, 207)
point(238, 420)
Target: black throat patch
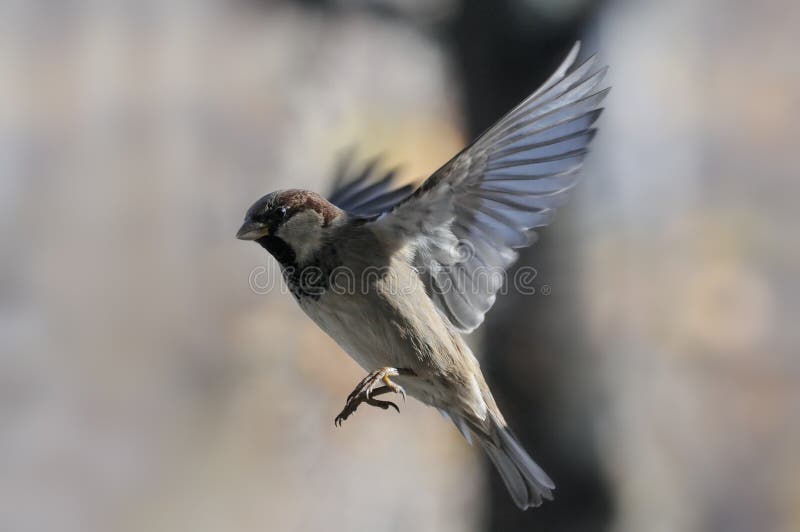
point(304, 281)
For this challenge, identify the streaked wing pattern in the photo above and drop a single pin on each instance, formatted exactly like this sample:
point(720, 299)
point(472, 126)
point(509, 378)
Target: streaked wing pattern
point(471, 214)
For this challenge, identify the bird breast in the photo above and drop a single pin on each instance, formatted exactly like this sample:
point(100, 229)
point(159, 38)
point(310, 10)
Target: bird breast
point(385, 318)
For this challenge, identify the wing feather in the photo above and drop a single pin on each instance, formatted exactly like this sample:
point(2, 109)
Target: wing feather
point(467, 219)
point(364, 194)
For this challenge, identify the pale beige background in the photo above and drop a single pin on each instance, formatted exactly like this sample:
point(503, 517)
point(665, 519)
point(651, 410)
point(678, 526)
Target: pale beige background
point(144, 386)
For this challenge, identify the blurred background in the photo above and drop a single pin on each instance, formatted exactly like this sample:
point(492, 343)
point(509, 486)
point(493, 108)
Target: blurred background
point(144, 385)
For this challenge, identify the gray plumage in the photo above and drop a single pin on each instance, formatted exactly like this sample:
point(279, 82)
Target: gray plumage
point(424, 266)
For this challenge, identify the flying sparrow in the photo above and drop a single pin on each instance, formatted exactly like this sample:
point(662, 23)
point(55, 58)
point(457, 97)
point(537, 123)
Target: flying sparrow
point(395, 275)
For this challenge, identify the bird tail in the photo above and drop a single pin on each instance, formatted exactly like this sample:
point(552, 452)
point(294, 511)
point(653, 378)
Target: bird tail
point(525, 480)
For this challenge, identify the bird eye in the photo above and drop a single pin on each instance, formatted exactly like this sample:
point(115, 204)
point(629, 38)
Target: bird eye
point(283, 212)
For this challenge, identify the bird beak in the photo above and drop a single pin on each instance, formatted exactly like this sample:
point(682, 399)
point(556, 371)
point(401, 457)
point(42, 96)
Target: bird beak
point(252, 231)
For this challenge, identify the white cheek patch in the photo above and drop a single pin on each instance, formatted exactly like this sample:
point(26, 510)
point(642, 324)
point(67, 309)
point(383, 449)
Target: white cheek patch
point(302, 232)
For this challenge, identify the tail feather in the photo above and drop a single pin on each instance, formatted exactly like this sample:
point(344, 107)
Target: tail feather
point(478, 416)
point(526, 464)
point(528, 484)
point(511, 477)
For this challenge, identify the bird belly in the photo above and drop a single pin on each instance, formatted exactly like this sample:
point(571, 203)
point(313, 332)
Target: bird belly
point(399, 332)
point(360, 333)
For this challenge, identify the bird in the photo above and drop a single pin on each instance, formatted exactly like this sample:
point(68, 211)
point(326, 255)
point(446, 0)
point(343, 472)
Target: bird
point(396, 275)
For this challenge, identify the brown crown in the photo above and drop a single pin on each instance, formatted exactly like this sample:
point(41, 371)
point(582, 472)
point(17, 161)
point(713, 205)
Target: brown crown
point(296, 200)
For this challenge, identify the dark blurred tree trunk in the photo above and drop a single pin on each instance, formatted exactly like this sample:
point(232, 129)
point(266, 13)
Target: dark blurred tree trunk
point(534, 356)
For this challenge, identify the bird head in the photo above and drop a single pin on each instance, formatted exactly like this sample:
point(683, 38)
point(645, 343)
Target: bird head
point(289, 221)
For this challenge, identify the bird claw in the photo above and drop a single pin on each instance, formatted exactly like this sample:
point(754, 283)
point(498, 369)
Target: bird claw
point(384, 405)
point(368, 389)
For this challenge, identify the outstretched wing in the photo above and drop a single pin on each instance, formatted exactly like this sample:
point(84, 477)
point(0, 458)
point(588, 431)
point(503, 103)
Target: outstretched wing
point(468, 218)
point(366, 193)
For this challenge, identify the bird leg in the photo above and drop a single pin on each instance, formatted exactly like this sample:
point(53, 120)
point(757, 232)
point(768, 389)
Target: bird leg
point(368, 389)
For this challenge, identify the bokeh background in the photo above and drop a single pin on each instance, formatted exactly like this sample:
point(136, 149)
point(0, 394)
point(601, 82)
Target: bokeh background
point(144, 386)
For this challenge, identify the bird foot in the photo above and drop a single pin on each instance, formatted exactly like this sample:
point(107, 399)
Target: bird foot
point(368, 389)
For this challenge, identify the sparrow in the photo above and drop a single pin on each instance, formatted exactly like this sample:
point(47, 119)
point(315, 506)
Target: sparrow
point(395, 275)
